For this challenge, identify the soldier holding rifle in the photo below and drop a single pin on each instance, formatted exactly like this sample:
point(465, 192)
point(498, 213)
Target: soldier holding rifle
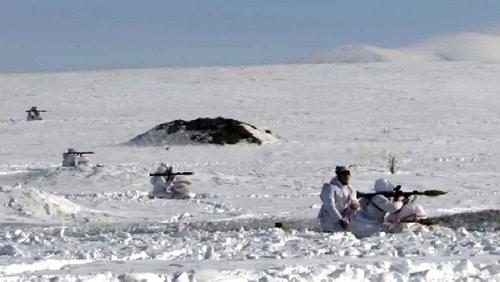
point(387, 207)
point(168, 184)
point(72, 158)
point(34, 114)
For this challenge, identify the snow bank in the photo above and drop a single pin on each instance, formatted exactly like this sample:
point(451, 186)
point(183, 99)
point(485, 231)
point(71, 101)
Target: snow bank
point(426, 255)
point(34, 203)
point(288, 271)
point(478, 220)
point(474, 47)
point(50, 264)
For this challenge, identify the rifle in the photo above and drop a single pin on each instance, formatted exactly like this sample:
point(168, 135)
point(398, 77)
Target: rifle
point(80, 153)
point(398, 193)
point(172, 173)
point(40, 111)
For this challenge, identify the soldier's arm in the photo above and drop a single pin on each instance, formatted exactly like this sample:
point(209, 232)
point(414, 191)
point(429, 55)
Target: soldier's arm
point(384, 204)
point(328, 202)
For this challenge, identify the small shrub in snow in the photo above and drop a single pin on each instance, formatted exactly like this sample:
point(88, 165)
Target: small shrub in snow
point(392, 164)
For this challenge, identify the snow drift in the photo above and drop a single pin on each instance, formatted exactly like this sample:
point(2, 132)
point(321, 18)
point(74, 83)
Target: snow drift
point(35, 204)
point(218, 131)
point(474, 47)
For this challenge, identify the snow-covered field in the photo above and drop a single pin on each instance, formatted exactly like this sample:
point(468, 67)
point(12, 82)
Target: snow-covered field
point(440, 120)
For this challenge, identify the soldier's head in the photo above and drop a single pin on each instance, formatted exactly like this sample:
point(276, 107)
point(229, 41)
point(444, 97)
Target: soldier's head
point(383, 185)
point(71, 150)
point(343, 174)
point(163, 168)
point(33, 108)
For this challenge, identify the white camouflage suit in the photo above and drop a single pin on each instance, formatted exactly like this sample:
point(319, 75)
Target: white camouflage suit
point(161, 183)
point(337, 200)
point(379, 213)
point(72, 160)
point(180, 188)
point(170, 188)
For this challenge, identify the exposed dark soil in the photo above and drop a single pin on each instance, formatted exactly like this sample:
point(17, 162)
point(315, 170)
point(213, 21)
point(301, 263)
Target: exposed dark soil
point(220, 131)
point(212, 130)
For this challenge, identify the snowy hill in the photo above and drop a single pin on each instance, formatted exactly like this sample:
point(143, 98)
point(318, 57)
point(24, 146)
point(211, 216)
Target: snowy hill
point(473, 47)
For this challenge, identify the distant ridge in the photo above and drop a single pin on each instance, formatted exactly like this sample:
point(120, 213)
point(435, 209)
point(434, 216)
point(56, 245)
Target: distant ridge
point(468, 46)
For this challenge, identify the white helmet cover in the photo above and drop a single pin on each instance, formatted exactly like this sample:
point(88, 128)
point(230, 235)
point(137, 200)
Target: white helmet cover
point(383, 185)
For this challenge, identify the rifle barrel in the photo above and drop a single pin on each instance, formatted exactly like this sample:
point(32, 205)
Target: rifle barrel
point(428, 193)
point(173, 173)
point(80, 153)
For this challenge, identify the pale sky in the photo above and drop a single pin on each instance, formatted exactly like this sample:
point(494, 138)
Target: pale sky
point(62, 35)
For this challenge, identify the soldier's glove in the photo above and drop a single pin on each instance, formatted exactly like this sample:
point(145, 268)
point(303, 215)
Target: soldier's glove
point(344, 223)
point(354, 206)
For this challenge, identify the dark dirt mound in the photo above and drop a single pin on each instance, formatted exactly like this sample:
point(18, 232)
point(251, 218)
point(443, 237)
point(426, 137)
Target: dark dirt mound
point(220, 131)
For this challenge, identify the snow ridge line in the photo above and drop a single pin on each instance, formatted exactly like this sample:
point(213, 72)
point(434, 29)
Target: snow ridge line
point(472, 221)
point(172, 227)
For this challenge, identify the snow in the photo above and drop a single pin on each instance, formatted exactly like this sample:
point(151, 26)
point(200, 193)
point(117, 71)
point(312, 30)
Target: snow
point(469, 46)
point(440, 120)
point(34, 203)
point(265, 137)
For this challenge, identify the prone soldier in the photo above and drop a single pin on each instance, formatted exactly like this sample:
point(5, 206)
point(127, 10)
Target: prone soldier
point(34, 114)
point(73, 158)
point(168, 184)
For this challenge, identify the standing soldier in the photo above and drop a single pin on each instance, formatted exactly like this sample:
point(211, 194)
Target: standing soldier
point(339, 202)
